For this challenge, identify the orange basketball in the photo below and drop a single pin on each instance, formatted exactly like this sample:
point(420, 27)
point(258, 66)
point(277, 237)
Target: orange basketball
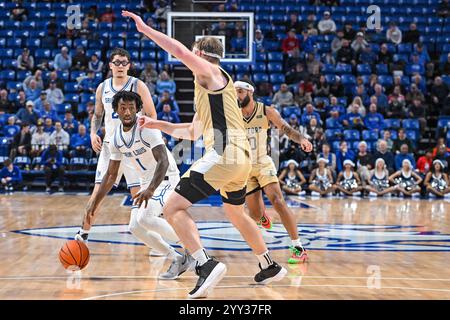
point(74, 255)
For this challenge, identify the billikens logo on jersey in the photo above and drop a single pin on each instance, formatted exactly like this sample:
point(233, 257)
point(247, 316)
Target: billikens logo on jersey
point(135, 153)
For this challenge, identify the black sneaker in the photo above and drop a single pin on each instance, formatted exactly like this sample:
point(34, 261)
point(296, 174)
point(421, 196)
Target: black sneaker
point(274, 272)
point(209, 274)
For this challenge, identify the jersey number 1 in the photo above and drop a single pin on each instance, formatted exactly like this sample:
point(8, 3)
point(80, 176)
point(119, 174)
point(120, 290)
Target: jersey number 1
point(139, 163)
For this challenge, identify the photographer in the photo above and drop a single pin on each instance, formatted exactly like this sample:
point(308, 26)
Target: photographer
point(52, 162)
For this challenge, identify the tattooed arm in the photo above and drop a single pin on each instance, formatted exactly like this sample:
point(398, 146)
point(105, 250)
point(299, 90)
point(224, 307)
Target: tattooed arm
point(274, 116)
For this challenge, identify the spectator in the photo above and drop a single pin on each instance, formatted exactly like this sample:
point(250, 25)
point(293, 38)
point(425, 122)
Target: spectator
point(436, 180)
point(368, 56)
point(425, 162)
point(294, 121)
point(439, 143)
point(10, 176)
point(311, 24)
point(291, 47)
point(167, 99)
point(397, 104)
point(239, 43)
point(149, 76)
point(25, 61)
point(222, 30)
point(6, 106)
point(348, 181)
point(329, 156)
point(259, 41)
point(27, 114)
point(19, 12)
point(48, 126)
point(322, 88)
point(54, 94)
point(310, 114)
point(283, 97)
point(343, 154)
point(394, 34)
point(443, 9)
point(439, 92)
point(312, 64)
point(80, 61)
point(40, 140)
point(80, 142)
point(86, 32)
point(37, 76)
point(54, 77)
point(374, 120)
point(445, 69)
point(21, 144)
point(161, 11)
point(383, 153)
point(359, 44)
point(364, 162)
point(108, 16)
point(70, 125)
point(60, 137)
point(328, 58)
point(412, 35)
point(334, 106)
point(168, 115)
point(32, 92)
point(402, 139)
point(292, 179)
point(413, 94)
point(63, 60)
point(10, 129)
point(302, 98)
point(89, 83)
point(294, 23)
point(53, 167)
point(337, 88)
point(353, 118)
point(417, 110)
point(312, 126)
point(336, 44)
point(297, 74)
point(387, 138)
point(349, 32)
point(345, 54)
point(382, 100)
point(307, 43)
point(384, 56)
point(318, 139)
point(49, 112)
point(95, 64)
point(327, 25)
point(321, 179)
point(443, 155)
point(165, 84)
point(404, 154)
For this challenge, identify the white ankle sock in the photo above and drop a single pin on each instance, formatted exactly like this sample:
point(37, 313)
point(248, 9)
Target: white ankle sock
point(200, 256)
point(297, 243)
point(265, 260)
point(82, 231)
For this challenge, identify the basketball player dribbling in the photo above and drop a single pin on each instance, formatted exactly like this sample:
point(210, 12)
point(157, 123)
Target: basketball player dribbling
point(225, 165)
point(143, 154)
point(263, 177)
point(120, 62)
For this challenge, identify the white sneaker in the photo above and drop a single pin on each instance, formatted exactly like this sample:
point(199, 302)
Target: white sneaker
point(155, 253)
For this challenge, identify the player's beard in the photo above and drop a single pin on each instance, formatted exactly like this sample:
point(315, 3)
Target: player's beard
point(129, 125)
point(242, 104)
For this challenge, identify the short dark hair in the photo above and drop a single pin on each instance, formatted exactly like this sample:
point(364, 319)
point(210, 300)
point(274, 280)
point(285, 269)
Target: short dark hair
point(7, 162)
point(127, 96)
point(119, 52)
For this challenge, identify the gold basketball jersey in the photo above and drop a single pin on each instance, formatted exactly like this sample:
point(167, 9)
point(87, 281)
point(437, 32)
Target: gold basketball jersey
point(220, 116)
point(257, 126)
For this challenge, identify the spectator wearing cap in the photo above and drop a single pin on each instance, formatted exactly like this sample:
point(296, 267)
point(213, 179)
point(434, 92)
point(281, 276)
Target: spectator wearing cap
point(10, 176)
point(343, 154)
point(63, 60)
point(49, 112)
point(54, 94)
point(359, 44)
point(21, 144)
point(69, 123)
point(394, 34)
point(40, 140)
point(326, 25)
point(39, 103)
point(28, 114)
point(259, 41)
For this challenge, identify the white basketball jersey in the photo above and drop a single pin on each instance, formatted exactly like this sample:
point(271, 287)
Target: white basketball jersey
point(111, 118)
point(134, 149)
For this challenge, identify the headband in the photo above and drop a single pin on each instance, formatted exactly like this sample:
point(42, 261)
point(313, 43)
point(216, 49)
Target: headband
point(209, 54)
point(244, 85)
point(440, 162)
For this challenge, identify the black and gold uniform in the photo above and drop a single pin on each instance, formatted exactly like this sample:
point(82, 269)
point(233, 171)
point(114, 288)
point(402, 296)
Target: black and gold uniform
point(263, 170)
point(226, 163)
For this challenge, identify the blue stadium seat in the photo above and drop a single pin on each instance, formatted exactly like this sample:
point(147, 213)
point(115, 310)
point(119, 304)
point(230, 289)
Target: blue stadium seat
point(411, 124)
point(343, 68)
point(369, 135)
point(448, 137)
point(328, 69)
point(71, 87)
point(363, 69)
point(22, 161)
point(332, 123)
point(6, 53)
point(274, 67)
point(14, 43)
point(78, 163)
point(444, 122)
point(14, 85)
point(260, 77)
point(351, 135)
point(242, 68)
point(404, 48)
point(276, 78)
point(147, 55)
point(385, 80)
point(71, 97)
point(392, 123)
point(331, 78)
point(7, 75)
point(62, 108)
point(412, 135)
point(10, 131)
point(260, 56)
point(274, 56)
point(348, 80)
point(288, 111)
point(400, 57)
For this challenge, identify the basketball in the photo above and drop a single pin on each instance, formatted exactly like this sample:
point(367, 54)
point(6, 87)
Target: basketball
point(74, 255)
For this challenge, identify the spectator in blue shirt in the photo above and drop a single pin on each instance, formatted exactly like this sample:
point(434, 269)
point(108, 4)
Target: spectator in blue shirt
point(422, 53)
point(165, 84)
point(49, 112)
point(69, 123)
point(343, 154)
point(309, 114)
point(80, 142)
point(239, 43)
point(168, 115)
point(48, 126)
point(368, 56)
point(167, 99)
point(88, 84)
point(10, 176)
point(27, 114)
point(374, 120)
point(11, 128)
point(404, 154)
point(307, 42)
point(32, 92)
point(63, 60)
point(334, 106)
point(382, 99)
point(39, 102)
point(335, 120)
point(353, 119)
point(51, 159)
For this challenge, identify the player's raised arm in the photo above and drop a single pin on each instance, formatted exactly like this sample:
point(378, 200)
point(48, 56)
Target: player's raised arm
point(196, 64)
point(274, 116)
point(96, 121)
point(106, 185)
point(189, 131)
point(147, 101)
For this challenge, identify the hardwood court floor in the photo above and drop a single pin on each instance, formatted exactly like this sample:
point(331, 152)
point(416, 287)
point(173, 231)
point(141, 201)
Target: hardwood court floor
point(359, 249)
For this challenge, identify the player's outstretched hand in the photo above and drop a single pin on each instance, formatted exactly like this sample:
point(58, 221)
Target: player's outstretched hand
point(141, 197)
point(146, 122)
point(306, 145)
point(96, 142)
point(137, 20)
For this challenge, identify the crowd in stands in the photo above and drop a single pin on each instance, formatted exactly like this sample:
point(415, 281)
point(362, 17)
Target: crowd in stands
point(365, 97)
